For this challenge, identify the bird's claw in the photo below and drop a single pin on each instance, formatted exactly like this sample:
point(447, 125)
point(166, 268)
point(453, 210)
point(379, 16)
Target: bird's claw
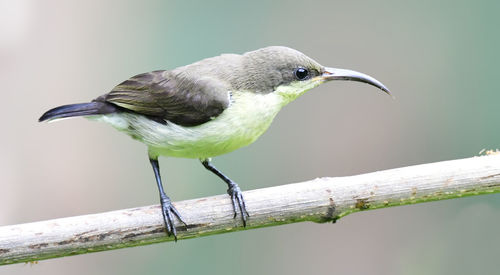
point(238, 202)
point(168, 211)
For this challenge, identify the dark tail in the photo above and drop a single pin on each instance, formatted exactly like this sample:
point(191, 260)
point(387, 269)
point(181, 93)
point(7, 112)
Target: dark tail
point(80, 109)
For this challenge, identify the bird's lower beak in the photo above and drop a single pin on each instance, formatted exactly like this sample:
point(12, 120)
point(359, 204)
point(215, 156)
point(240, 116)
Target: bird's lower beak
point(341, 74)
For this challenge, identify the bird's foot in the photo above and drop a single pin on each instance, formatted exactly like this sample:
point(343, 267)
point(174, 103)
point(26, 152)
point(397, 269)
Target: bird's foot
point(168, 211)
point(238, 202)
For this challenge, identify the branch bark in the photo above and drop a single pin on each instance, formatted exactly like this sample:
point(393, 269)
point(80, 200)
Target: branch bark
point(319, 200)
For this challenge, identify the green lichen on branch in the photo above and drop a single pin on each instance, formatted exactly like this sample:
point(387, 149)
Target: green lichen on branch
point(372, 203)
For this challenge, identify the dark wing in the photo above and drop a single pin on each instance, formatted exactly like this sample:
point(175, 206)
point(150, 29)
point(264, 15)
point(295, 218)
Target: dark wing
point(164, 97)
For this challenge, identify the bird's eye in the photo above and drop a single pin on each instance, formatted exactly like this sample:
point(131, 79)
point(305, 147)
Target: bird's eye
point(301, 73)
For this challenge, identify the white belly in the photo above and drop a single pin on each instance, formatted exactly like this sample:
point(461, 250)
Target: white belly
point(240, 124)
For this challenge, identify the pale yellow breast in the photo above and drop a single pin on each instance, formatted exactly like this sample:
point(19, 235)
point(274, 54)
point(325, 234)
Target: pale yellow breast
point(248, 117)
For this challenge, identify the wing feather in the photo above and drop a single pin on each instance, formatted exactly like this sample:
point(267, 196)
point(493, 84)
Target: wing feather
point(174, 98)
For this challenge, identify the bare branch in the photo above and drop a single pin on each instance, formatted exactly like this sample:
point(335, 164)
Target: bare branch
point(319, 200)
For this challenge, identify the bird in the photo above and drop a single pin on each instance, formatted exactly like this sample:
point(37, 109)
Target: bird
point(207, 108)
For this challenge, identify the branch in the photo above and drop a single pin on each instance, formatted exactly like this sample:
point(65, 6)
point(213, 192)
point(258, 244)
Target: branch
point(319, 200)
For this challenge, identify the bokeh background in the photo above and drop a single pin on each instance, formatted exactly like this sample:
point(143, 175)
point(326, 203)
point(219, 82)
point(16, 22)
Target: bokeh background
point(440, 59)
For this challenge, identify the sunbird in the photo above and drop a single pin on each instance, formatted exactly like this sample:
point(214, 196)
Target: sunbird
point(207, 108)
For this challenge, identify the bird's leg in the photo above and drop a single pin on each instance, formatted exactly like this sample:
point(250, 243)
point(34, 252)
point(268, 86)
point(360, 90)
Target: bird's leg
point(167, 208)
point(233, 190)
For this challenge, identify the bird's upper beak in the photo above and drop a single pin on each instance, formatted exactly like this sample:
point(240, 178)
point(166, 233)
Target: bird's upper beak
point(341, 74)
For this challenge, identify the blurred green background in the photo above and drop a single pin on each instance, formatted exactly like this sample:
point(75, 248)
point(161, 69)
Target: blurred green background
point(440, 59)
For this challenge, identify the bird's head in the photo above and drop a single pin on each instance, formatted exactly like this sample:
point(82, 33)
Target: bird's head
point(290, 73)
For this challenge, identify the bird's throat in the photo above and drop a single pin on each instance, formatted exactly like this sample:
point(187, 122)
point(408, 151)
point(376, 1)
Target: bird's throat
point(295, 89)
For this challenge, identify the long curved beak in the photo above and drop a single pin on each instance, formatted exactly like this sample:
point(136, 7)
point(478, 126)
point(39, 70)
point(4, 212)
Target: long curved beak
point(341, 74)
